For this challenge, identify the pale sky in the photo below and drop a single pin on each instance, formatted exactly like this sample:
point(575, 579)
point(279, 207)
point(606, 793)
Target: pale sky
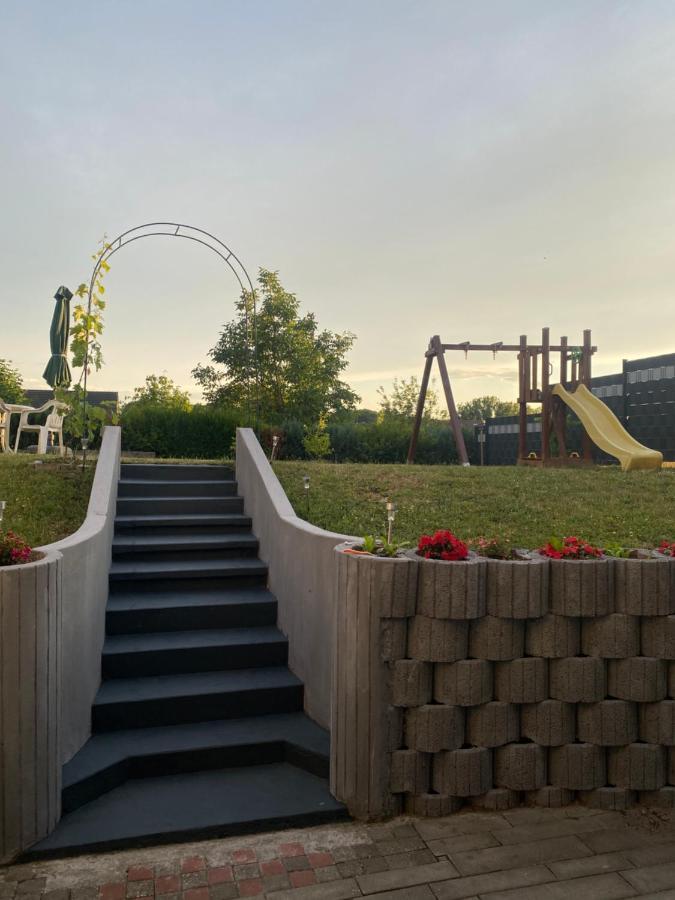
point(476, 170)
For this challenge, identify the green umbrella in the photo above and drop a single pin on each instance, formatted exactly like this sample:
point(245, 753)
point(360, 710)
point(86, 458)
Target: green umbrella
point(57, 373)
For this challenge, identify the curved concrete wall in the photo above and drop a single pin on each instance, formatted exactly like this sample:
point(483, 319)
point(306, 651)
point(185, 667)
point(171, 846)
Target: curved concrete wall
point(301, 565)
point(86, 563)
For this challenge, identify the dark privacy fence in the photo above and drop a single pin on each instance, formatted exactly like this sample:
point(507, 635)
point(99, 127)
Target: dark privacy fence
point(642, 396)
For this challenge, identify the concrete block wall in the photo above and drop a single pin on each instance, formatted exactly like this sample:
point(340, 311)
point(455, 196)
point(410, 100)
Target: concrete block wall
point(569, 697)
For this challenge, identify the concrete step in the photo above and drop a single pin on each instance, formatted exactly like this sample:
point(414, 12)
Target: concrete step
point(194, 806)
point(107, 760)
point(186, 506)
point(137, 487)
point(177, 608)
point(173, 652)
point(173, 472)
point(180, 523)
point(196, 697)
point(207, 544)
point(248, 571)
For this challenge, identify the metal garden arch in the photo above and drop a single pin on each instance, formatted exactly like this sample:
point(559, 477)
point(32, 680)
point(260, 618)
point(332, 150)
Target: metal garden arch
point(190, 233)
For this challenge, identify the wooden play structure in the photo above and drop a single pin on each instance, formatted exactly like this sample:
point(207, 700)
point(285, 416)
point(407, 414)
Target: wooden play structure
point(535, 385)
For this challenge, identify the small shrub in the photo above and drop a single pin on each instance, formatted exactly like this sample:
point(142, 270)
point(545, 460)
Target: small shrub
point(442, 545)
point(13, 549)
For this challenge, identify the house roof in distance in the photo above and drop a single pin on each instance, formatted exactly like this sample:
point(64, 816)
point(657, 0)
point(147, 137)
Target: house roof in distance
point(37, 397)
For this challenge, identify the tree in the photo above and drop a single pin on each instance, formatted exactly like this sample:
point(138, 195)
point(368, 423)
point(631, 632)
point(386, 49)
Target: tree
point(11, 383)
point(160, 390)
point(482, 408)
point(403, 401)
point(299, 366)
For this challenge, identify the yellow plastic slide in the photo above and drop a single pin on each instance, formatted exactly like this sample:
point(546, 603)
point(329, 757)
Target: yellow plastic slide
point(606, 431)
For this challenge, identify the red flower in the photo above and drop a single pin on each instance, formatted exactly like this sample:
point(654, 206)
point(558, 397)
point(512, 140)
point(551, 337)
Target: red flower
point(442, 545)
point(667, 548)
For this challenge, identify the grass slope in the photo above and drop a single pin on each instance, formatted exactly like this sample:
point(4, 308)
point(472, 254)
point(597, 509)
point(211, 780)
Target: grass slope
point(44, 503)
point(520, 504)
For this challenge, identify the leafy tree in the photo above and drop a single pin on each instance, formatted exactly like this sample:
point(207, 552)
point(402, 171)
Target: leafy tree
point(11, 383)
point(403, 400)
point(482, 408)
point(160, 390)
point(317, 442)
point(299, 365)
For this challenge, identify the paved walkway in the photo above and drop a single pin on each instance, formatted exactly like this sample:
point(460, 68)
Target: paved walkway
point(524, 854)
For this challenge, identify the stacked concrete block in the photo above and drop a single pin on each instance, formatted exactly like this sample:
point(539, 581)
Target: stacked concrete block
point(517, 590)
point(492, 724)
point(541, 683)
point(463, 773)
point(468, 682)
point(451, 590)
point(434, 727)
point(493, 638)
point(437, 640)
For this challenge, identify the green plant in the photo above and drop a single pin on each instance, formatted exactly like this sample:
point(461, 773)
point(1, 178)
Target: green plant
point(13, 549)
point(11, 383)
point(87, 326)
point(494, 548)
point(317, 442)
point(381, 546)
point(616, 551)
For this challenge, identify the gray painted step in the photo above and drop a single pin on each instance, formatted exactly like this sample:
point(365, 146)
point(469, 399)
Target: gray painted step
point(163, 653)
point(195, 697)
point(208, 544)
point(144, 570)
point(106, 760)
point(180, 523)
point(189, 488)
point(197, 805)
point(131, 610)
point(169, 472)
point(194, 506)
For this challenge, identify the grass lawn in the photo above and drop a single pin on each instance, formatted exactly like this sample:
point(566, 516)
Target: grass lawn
point(523, 505)
point(44, 503)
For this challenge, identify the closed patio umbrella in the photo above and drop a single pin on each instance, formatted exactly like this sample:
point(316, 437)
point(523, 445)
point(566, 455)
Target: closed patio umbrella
point(57, 373)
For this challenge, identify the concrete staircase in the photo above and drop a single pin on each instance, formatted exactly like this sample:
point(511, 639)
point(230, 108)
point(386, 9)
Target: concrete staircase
point(198, 728)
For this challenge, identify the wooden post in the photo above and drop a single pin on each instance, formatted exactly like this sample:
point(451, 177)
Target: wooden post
point(563, 361)
point(522, 411)
point(449, 399)
point(412, 449)
point(585, 378)
point(545, 397)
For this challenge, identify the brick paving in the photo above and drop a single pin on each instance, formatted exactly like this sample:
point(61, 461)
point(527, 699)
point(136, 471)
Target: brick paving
point(520, 854)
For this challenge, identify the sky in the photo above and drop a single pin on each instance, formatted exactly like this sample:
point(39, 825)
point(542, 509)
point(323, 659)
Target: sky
point(410, 167)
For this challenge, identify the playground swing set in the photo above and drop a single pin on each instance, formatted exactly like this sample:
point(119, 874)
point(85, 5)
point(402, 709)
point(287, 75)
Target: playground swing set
point(535, 369)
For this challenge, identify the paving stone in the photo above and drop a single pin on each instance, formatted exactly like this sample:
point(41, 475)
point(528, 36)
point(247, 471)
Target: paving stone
point(410, 772)
point(658, 637)
point(607, 723)
point(452, 590)
point(609, 840)
point(611, 798)
point(523, 680)
point(577, 767)
point(639, 767)
point(410, 682)
point(409, 858)
point(404, 878)
point(60, 894)
point(640, 678)
point(493, 638)
point(475, 885)
point(651, 854)
point(642, 587)
point(332, 890)
point(421, 892)
point(492, 724)
point(581, 587)
point(578, 679)
point(193, 879)
point(437, 640)
point(170, 884)
point(302, 878)
point(615, 636)
point(291, 864)
point(431, 805)
point(197, 863)
point(472, 862)
point(434, 727)
point(216, 892)
point(496, 799)
point(652, 878)
point(520, 767)
point(553, 827)
point(590, 865)
point(462, 773)
point(657, 722)
point(327, 873)
point(468, 682)
point(8, 889)
point(476, 841)
point(550, 797)
point(466, 822)
point(140, 889)
point(553, 637)
point(31, 886)
point(594, 887)
point(222, 874)
point(549, 723)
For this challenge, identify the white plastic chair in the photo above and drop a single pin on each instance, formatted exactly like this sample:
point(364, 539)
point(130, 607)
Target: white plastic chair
point(4, 429)
point(53, 425)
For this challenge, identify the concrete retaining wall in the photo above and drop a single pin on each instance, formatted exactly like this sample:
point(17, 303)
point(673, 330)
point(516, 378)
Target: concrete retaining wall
point(571, 697)
point(301, 573)
point(86, 563)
